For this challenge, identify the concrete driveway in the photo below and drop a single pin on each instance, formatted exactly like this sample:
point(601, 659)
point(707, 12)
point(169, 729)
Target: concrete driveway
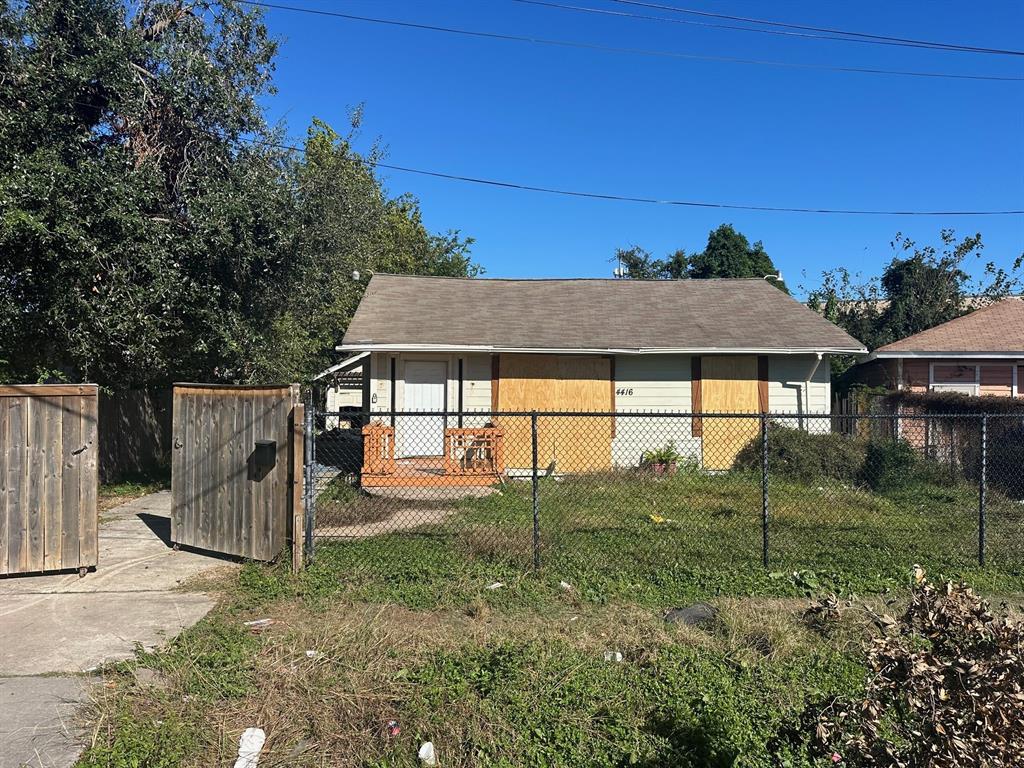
point(63, 627)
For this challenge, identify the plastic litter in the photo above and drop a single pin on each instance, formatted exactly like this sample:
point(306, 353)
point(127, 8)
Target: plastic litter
point(495, 585)
point(249, 747)
point(393, 728)
point(258, 625)
point(613, 656)
point(426, 753)
point(311, 654)
point(566, 586)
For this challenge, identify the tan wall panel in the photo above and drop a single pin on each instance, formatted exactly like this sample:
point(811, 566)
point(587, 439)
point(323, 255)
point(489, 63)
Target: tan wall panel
point(556, 383)
point(729, 385)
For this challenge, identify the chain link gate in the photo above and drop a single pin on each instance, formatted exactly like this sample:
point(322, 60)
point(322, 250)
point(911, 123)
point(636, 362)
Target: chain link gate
point(782, 491)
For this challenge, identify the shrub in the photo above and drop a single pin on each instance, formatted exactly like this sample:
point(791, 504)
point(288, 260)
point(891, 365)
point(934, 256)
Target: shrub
point(944, 688)
point(667, 454)
point(796, 454)
point(888, 465)
point(1005, 459)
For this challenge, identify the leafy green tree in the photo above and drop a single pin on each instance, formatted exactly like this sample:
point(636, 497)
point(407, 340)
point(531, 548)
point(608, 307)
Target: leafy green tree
point(727, 254)
point(920, 288)
point(151, 227)
point(638, 264)
point(345, 223)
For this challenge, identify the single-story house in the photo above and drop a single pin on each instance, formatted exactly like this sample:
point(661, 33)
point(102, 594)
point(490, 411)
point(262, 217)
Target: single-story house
point(472, 346)
point(981, 353)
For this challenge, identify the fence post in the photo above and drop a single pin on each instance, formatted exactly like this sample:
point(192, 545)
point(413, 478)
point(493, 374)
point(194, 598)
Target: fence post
point(297, 490)
point(982, 489)
point(308, 497)
point(536, 499)
point(764, 489)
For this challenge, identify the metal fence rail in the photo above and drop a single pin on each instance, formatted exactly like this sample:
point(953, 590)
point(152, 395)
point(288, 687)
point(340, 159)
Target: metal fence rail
point(684, 489)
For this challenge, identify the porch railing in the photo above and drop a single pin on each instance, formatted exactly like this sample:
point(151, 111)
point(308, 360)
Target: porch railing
point(473, 451)
point(378, 449)
point(467, 450)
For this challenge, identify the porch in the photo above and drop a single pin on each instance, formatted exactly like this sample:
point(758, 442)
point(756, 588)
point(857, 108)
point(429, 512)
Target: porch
point(473, 456)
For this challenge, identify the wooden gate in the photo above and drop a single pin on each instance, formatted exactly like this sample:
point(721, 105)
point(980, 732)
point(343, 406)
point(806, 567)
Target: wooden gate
point(232, 474)
point(48, 478)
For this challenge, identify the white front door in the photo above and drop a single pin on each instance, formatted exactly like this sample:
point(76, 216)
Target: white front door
point(425, 383)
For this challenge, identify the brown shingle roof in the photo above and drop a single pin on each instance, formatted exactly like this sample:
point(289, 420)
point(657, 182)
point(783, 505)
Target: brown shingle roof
point(999, 327)
point(740, 314)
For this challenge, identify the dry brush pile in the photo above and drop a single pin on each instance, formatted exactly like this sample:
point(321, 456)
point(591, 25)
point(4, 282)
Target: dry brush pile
point(944, 688)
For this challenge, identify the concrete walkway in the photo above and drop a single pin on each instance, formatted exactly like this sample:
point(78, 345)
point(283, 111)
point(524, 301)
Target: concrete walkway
point(63, 624)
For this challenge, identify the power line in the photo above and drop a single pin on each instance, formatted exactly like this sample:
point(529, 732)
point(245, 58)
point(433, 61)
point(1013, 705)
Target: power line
point(620, 50)
point(867, 36)
point(619, 198)
point(652, 200)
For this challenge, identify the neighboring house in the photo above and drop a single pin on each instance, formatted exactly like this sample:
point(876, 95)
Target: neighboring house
point(981, 353)
point(344, 386)
point(617, 346)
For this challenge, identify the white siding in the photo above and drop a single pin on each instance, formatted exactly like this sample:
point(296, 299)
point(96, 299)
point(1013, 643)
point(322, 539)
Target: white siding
point(346, 390)
point(790, 392)
point(476, 387)
point(643, 383)
point(380, 381)
point(652, 383)
point(476, 377)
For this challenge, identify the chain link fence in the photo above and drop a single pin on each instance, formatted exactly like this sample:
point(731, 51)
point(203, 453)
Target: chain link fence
point(850, 493)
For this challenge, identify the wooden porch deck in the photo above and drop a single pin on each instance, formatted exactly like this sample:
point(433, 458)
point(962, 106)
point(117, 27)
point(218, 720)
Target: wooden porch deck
point(426, 471)
point(472, 458)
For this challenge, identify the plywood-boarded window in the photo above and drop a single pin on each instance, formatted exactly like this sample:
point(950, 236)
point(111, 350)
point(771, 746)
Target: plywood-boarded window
point(567, 383)
point(729, 384)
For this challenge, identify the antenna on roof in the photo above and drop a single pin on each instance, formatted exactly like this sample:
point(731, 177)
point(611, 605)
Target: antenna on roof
point(777, 276)
point(620, 271)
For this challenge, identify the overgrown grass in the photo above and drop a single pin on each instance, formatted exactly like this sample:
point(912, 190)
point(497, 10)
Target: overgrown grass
point(488, 686)
point(657, 541)
point(405, 627)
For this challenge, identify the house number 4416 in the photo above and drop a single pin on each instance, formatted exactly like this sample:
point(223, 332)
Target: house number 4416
point(624, 391)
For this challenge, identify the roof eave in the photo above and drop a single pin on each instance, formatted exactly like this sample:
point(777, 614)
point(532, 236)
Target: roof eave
point(823, 349)
point(892, 354)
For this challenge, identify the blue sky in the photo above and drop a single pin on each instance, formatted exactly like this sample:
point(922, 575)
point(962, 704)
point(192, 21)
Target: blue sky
point(670, 128)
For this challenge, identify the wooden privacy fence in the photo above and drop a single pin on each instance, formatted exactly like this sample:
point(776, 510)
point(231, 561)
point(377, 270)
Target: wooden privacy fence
point(233, 475)
point(48, 478)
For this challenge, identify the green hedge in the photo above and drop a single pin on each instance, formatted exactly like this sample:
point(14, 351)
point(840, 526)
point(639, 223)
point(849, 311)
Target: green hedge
point(807, 456)
point(947, 403)
point(881, 465)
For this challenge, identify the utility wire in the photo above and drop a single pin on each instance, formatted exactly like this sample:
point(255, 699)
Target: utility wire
point(613, 49)
point(867, 36)
point(650, 200)
point(616, 198)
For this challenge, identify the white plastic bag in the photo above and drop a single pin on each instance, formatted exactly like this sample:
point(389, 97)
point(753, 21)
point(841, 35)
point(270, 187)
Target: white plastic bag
point(249, 747)
point(427, 755)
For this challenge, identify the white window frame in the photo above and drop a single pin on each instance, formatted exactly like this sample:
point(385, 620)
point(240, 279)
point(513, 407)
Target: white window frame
point(940, 386)
point(934, 386)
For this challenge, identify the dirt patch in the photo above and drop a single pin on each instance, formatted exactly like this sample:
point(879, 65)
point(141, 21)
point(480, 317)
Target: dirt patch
point(401, 520)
